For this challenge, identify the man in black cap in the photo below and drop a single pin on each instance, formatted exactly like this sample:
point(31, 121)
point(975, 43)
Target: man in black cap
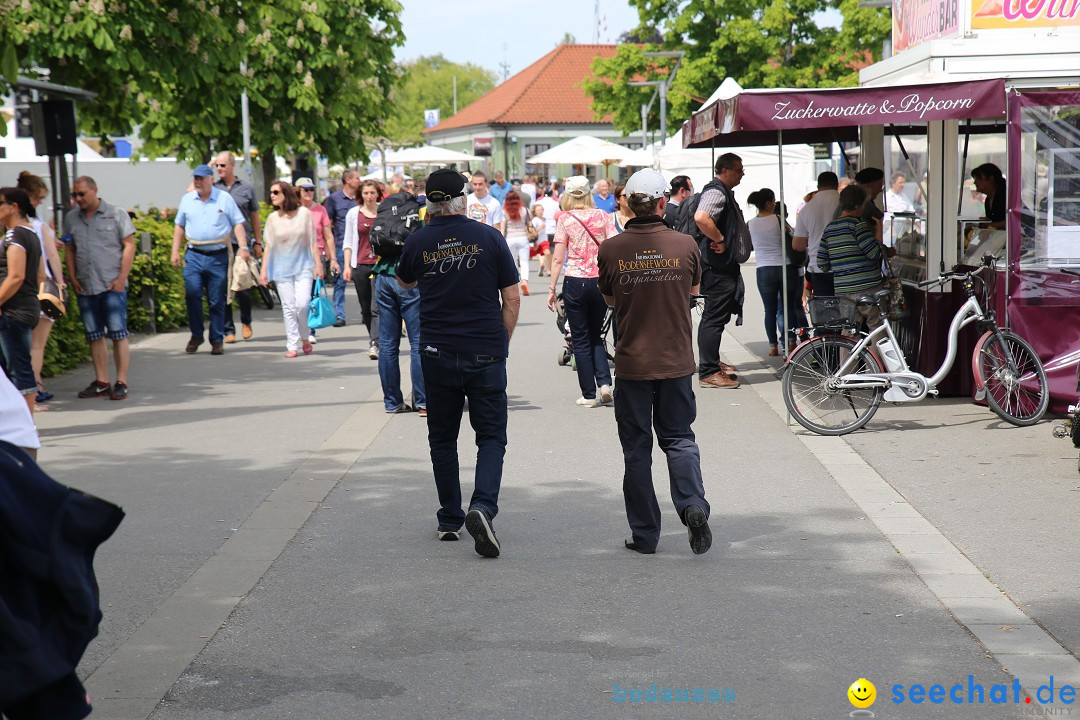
point(872, 180)
point(469, 302)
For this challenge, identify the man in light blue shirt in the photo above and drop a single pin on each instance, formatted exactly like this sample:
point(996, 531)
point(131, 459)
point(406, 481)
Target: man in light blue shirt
point(500, 187)
point(207, 217)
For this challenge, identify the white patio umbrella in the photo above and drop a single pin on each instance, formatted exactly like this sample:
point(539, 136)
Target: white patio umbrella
point(642, 157)
point(428, 155)
point(582, 150)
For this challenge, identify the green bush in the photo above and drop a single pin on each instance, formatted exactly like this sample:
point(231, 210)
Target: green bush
point(67, 346)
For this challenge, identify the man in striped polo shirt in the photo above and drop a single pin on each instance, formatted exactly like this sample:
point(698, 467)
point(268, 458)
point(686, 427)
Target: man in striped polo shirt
point(851, 250)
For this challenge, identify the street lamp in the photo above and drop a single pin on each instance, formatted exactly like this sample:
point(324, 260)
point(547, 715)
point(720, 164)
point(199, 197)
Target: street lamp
point(661, 89)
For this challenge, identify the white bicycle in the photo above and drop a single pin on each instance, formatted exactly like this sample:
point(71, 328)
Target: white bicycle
point(834, 384)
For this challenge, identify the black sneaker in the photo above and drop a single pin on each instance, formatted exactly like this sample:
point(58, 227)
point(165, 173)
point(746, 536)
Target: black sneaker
point(633, 545)
point(449, 534)
point(119, 391)
point(96, 389)
point(402, 408)
point(340, 322)
point(478, 524)
point(697, 525)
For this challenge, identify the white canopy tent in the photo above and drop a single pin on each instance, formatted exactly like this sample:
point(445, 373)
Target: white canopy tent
point(378, 175)
point(429, 155)
point(582, 150)
point(760, 163)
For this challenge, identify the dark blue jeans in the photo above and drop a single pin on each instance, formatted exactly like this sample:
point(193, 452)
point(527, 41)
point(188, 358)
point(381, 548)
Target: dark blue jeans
point(206, 273)
point(15, 347)
point(585, 310)
point(243, 300)
point(449, 379)
point(769, 283)
point(396, 305)
point(668, 407)
point(340, 284)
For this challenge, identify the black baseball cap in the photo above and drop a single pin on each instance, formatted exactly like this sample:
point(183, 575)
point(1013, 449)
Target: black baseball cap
point(444, 184)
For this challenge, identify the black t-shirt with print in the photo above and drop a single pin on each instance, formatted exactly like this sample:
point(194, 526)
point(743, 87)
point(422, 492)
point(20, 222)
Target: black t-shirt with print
point(460, 265)
point(23, 306)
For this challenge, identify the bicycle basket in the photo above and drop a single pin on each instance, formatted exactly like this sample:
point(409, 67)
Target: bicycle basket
point(827, 311)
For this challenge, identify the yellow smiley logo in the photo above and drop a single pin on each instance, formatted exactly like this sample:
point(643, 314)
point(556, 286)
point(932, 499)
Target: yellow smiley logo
point(862, 693)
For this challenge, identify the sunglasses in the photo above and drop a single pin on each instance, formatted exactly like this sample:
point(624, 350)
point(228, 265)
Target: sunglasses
point(275, 192)
point(308, 190)
point(78, 194)
point(218, 165)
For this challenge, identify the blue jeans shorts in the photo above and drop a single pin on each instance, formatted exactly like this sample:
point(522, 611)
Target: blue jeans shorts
point(104, 315)
point(15, 346)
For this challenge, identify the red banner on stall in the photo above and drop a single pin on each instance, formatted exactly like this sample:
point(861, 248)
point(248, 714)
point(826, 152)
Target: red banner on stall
point(797, 109)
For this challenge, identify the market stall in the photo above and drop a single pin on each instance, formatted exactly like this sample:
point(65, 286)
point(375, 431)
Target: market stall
point(1018, 111)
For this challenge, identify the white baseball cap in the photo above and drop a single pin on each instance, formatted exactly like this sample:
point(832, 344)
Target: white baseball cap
point(647, 182)
point(578, 186)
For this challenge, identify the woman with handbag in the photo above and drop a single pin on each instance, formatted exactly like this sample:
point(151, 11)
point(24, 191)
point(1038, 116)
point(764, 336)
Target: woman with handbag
point(36, 188)
point(518, 231)
point(772, 274)
point(578, 234)
point(289, 260)
point(20, 274)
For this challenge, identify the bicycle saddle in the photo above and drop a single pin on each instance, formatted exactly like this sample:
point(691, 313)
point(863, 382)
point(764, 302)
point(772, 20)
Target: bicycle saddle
point(873, 299)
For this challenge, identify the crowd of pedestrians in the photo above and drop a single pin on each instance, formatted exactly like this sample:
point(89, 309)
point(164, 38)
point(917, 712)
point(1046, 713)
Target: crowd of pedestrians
point(624, 261)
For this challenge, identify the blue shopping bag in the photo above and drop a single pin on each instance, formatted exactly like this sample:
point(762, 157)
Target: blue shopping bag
point(320, 309)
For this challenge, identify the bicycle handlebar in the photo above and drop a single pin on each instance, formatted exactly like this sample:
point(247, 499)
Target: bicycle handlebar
point(988, 262)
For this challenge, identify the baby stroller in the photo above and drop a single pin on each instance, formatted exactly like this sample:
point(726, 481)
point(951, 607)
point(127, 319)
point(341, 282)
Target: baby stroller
point(608, 332)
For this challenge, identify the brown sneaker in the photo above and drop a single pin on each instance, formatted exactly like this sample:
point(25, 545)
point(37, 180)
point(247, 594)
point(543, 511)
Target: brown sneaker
point(719, 380)
point(217, 349)
point(230, 338)
point(728, 370)
point(245, 332)
point(193, 345)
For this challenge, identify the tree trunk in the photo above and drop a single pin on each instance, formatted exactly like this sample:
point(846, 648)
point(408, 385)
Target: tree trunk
point(269, 175)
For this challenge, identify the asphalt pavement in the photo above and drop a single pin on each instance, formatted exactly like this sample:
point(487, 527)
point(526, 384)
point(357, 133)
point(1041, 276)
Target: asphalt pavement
point(279, 556)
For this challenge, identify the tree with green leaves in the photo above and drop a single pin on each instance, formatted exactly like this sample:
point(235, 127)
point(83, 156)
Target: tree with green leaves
point(317, 71)
point(428, 82)
point(781, 43)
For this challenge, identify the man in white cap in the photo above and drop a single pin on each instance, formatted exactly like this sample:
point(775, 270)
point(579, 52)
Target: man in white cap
point(648, 273)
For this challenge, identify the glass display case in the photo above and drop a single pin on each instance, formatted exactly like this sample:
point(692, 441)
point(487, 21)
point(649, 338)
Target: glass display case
point(977, 240)
point(907, 232)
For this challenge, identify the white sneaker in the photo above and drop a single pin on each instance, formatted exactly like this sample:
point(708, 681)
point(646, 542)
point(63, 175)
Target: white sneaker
point(588, 402)
point(373, 351)
point(605, 394)
point(311, 339)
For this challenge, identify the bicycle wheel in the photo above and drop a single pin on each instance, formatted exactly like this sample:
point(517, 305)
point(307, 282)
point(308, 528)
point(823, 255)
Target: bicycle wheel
point(610, 334)
point(810, 387)
point(266, 297)
point(1016, 387)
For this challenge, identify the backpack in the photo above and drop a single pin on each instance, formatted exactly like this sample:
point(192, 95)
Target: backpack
point(397, 218)
point(736, 234)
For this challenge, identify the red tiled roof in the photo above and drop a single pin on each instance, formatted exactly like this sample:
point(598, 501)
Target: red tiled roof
point(548, 91)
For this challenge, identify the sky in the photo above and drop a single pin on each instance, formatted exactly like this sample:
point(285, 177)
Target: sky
point(513, 32)
point(471, 31)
